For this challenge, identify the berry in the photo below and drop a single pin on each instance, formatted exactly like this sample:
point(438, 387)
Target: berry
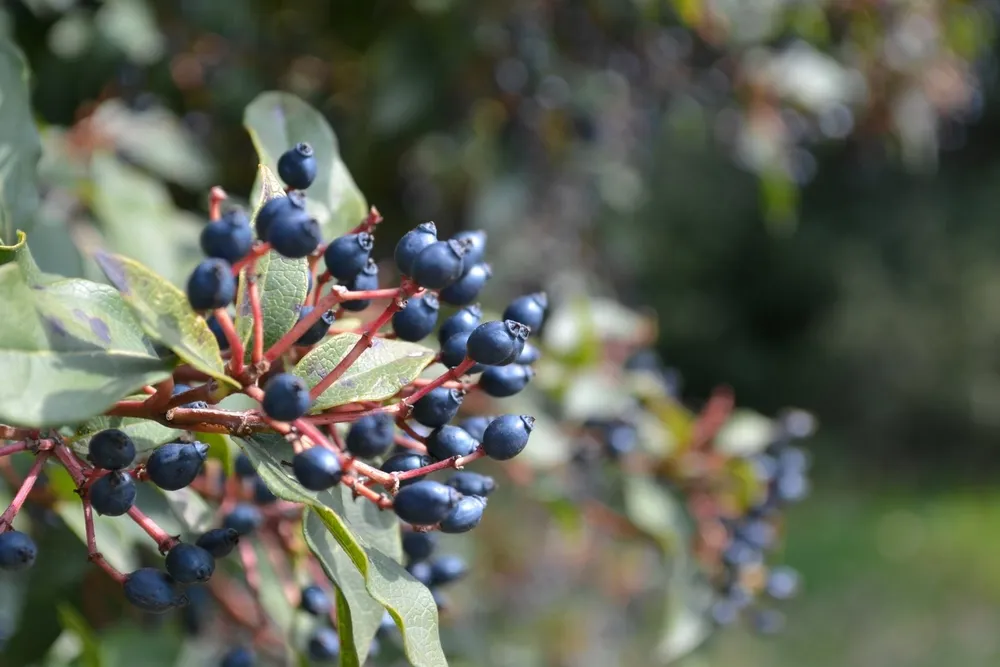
point(465, 516)
point(239, 657)
point(317, 331)
point(768, 621)
point(439, 264)
point(189, 563)
point(347, 255)
point(261, 494)
point(757, 533)
point(740, 553)
point(724, 612)
point(529, 310)
point(421, 571)
point(317, 468)
point(175, 465)
point(324, 646)
point(425, 503)
point(454, 351)
point(411, 244)
point(152, 590)
point(366, 280)
point(113, 494)
point(406, 462)
point(315, 601)
point(244, 467)
point(219, 542)
point(466, 319)
point(529, 355)
point(370, 436)
point(180, 389)
point(476, 426)
point(294, 236)
point(497, 343)
point(418, 546)
point(17, 551)
point(297, 166)
point(229, 238)
point(472, 483)
point(448, 441)
point(783, 583)
point(211, 285)
point(446, 569)
point(417, 319)
point(792, 487)
point(111, 449)
point(465, 290)
point(507, 436)
point(196, 614)
point(244, 519)
point(438, 407)
point(286, 397)
point(503, 381)
point(440, 599)
point(220, 338)
point(292, 206)
point(475, 242)
point(621, 438)
point(793, 459)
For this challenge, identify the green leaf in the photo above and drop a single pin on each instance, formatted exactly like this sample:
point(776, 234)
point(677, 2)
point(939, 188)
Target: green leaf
point(379, 373)
point(20, 146)
point(146, 434)
point(165, 315)
point(277, 121)
point(409, 602)
point(72, 620)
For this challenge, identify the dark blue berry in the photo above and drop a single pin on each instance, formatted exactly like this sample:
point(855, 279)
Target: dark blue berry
point(324, 646)
point(318, 330)
point(417, 319)
point(244, 519)
point(366, 280)
point(406, 462)
point(767, 621)
point(111, 449)
point(472, 483)
point(466, 319)
point(724, 612)
point(758, 533)
point(740, 553)
point(465, 516)
point(476, 426)
point(497, 343)
point(211, 285)
point(286, 397)
point(220, 336)
point(297, 166)
point(239, 657)
point(448, 441)
point(507, 436)
point(153, 590)
point(189, 563)
point(439, 264)
point(465, 290)
point(421, 571)
point(782, 583)
point(529, 355)
point(262, 495)
point(182, 388)
point(219, 542)
point(437, 407)
point(197, 613)
point(17, 551)
point(317, 468)
point(503, 381)
point(455, 349)
point(446, 569)
point(175, 465)
point(280, 208)
point(371, 436)
point(229, 238)
point(792, 487)
point(425, 503)
point(793, 459)
point(411, 244)
point(475, 242)
point(244, 466)
point(113, 494)
point(529, 310)
point(621, 438)
point(315, 601)
point(418, 546)
point(294, 236)
point(347, 255)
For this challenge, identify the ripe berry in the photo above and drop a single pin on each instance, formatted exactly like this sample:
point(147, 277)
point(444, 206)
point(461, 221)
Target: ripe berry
point(507, 436)
point(315, 601)
point(467, 288)
point(317, 468)
point(317, 331)
point(758, 533)
point(244, 519)
point(446, 569)
point(196, 614)
point(261, 494)
point(475, 242)
point(503, 381)
point(297, 166)
point(286, 397)
point(189, 563)
point(175, 465)
point(181, 388)
point(438, 407)
point(17, 551)
point(783, 583)
point(792, 487)
point(417, 319)
point(454, 351)
point(465, 516)
point(439, 264)
point(448, 441)
point(724, 612)
point(411, 244)
point(152, 590)
point(421, 571)
point(324, 646)
point(347, 255)
point(466, 319)
point(529, 310)
point(529, 355)
point(239, 657)
point(244, 467)
point(366, 280)
point(476, 426)
point(497, 343)
point(229, 238)
point(220, 337)
point(294, 236)
point(418, 546)
point(405, 462)
point(111, 449)
point(740, 553)
point(370, 436)
point(211, 285)
point(425, 503)
point(472, 483)
point(292, 206)
point(219, 542)
point(113, 494)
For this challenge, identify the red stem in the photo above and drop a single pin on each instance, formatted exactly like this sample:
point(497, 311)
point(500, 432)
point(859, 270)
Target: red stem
point(163, 541)
point(7, 518)
point(161, 395)
point(457, 462)
point(255, 253)
point(409, 430)
point(249, 560)
point(450, 375)
point(382, 501)
point(409, 443)
point(14, 448)
point(368, 224)
point(199, 393)
point(215, 198)
point(235, 344)
point(253, 292)
point(96, 556)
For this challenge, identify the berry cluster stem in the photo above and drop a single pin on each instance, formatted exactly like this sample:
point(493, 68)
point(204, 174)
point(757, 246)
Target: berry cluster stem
point(450, 375)
point(164, 542)
point(7, 518)
point(160, 397)
point(253, 293)
point(456, 462)
point(13, 448)
point(93, 553)
point(235, 344)
point(248, 558)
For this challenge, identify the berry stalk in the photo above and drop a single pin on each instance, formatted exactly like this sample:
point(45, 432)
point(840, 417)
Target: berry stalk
point(164, 542)
point(160, 397)
point(13, 448)
point(456, 462)
point(7, 518)
point(253, 292)
point(215, 198)
point(235, 344)
point(450, 375)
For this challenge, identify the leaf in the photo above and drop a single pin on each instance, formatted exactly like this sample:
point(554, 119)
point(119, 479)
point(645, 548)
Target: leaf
point(20, 145)
point(146, 434)
point(165, 315)
point(409, 602)
point(277, 121)
point(191, 510)
point(379, 373)
point(220, 448)
point(73, 621)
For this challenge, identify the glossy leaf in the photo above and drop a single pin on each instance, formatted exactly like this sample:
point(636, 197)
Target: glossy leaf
point(20, 146)
point(146, 434)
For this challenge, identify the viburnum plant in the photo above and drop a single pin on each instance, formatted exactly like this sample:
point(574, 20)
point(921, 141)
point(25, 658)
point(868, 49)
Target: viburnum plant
point(282, 432)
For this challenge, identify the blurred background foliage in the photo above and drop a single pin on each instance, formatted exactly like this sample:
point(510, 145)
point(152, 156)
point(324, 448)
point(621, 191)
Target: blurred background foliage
point(802, 190)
